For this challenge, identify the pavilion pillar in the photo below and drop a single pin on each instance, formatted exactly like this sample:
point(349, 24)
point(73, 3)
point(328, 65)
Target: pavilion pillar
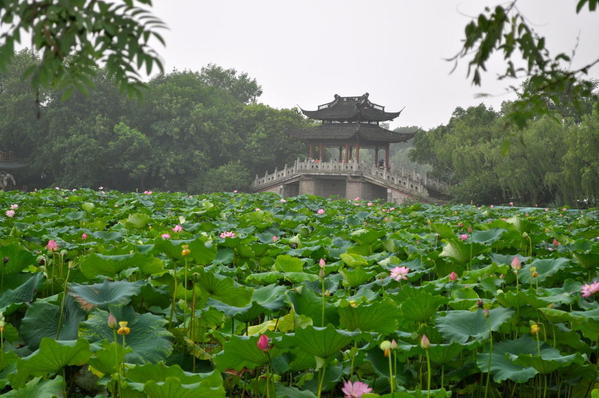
point(346, 157)
point(387, 166)
point(340, 158)
point(309, 151)
point(376, 156)
point(320, 150)
point(358, 153)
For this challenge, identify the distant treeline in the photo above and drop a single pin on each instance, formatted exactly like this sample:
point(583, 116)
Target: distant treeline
point(552, 160)
point(195, 132)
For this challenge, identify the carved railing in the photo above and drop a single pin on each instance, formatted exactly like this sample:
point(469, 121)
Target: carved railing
point(402, 179)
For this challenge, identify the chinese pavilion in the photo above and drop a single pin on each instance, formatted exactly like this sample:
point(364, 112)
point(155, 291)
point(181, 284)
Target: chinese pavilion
point(333, 167)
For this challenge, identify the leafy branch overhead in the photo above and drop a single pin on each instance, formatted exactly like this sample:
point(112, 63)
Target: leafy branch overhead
point(506, 30)
point(73, 38)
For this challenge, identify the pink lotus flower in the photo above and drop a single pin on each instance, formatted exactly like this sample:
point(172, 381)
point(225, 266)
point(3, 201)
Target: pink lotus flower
point(235, 191)
point(320, 211)
point(52, 245)
point(369, 204)
point(511, 203)
point(516, 264)
point(84, 236)
point(283, 201)
point(14, 206)
point(165, 236)
point(322, 263)
point(355, 389)
point(357, 198)
point(399, 273)
point(275, 238)
point(227, 234)
point(463, 236)
point(453, 276)
point(589, 289)
point(177, 228)
point(10, 213)
point(555, 242)
point(263, 343)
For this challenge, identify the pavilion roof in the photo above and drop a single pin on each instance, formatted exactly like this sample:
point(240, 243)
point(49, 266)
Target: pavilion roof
point(350, 132)
point(351, 109)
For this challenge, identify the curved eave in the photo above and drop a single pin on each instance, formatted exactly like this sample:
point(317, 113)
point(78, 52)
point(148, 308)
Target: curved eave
point(357, 115)
point(349, 132)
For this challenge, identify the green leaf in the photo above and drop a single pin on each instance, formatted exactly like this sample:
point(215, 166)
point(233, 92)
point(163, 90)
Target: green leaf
point(224, 289)
point(25, 293)
point(137, 220)
point(378, 317)
point(353, 259)
point(355, 277)
point(148, 338)
point(53, 388)
point(162, 381)
point(96, 264)
point(104, 294)
point(322, 342)
point(287, 263)
point(51, 357)
point(461, 251)
point(292, 392)
point(544, 267)
point(240, 352)
point(487, 237)
point(421, 306)
point(41, 320)
point(109, 359)
point(461, 326)
point(502, 367)
point(18, 258)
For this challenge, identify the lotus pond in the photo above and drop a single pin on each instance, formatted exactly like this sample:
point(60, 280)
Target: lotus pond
point(107, 294)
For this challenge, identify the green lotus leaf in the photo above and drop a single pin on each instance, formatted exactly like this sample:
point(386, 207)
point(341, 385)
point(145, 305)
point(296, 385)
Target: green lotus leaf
point(271, 297)
point(8, 366)
point(39, 388)
point(264, 277)
point(25, 293)
point(42, 320)
point(137, 220)
point(223, 289)
point(96, 264)
point(355, 277)
point(299, 277)
point(444, 353)
point(292, 392)
point(16, 256)
point(366, 236)
point(109, 358)
point(444, 230)
point(461, 326)
point(306, 302)
point(461, 251)
point(322, 342)
point(463, 298)
point(501, 364)
point(148, 339)
point(585, 321)
point(162, 381)
point(378, 317)
point(353, 260)
point(544, 267)
point(421, 306)
point(104, 294)
point(287, 263)
point(549, 361)
point(50, 358)
point(487, 237)
point(203, 250)
point(240, 352)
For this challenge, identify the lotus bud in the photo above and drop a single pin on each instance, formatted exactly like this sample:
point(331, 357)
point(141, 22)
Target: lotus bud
point(453, 276)
point(534, 329)
point(111, 321)
point(516, 264)
point(425, 342)
point(386, 347)
point(263, 343)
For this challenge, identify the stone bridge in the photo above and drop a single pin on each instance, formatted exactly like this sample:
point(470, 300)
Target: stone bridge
point(349, 180)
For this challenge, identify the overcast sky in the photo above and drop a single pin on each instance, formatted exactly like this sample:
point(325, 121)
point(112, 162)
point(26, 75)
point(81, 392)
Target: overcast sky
point(303, 52)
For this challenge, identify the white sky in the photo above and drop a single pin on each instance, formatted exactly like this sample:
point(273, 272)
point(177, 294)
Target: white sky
point(302, 52)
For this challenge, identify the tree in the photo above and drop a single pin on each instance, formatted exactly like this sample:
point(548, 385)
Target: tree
point(504, 29)
point(73, 37)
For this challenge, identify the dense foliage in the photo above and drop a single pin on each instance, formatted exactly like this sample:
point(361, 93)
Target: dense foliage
point(552, 160)
point(191, 131)
point(170, 295)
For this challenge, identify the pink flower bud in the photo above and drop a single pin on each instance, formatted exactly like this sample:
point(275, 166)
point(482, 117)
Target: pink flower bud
point(425, 342)
point(453, 276)
point(111, 321)
point(52, 245)
point(516, 264)
point(322, 263)
point(320, 211)
point(84, 236)
point(463, 236)
point(555, 242)
point(165, 236)
point(263, 343)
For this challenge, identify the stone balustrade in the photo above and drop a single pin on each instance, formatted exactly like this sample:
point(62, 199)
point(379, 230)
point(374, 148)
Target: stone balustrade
point(402, 179)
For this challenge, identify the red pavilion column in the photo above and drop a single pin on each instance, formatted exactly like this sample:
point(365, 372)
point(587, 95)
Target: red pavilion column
point(310, 151)
point(320, 151)
point(358, 153)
